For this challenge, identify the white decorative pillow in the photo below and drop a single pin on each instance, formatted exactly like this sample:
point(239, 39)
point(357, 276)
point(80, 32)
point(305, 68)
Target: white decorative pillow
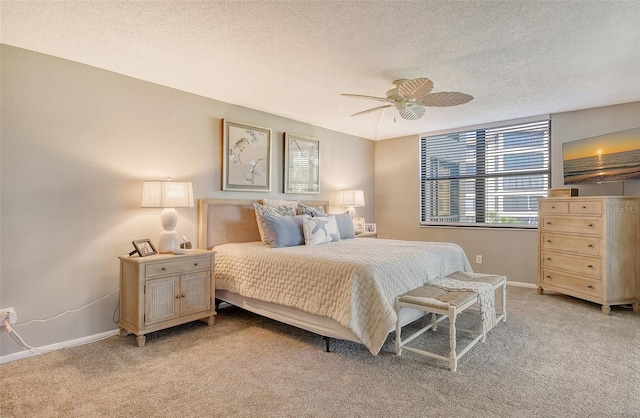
point(262, 210)
point(320, 230)
point(273, 203)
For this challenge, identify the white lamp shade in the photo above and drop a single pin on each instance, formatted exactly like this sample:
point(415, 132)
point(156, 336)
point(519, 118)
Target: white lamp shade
point(167, 194)
point(352, 198)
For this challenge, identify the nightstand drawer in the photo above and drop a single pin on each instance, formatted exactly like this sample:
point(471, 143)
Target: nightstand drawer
point(177, 267)
point(566, 281)
point(574, 263)
point(581, 225)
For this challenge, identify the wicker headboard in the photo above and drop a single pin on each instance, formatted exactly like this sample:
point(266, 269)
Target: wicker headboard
point(221, 221)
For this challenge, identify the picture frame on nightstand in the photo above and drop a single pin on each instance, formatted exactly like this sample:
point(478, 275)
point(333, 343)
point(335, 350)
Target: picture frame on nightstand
point(143, 247)
point(371, 228)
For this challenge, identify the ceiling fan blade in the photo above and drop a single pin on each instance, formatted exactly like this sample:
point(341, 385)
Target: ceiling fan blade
point(361, 96)
point(371, 110)
point(445, 98)
point(416, 88)
point(410, 111)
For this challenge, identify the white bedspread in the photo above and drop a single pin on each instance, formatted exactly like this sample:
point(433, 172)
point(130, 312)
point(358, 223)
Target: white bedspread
point(351, 281)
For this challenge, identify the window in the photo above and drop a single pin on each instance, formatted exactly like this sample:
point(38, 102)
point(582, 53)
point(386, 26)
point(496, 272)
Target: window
point(485, 177)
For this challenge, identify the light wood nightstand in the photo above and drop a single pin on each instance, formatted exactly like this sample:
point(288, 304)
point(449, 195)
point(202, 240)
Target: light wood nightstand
point(367, 235)
point(164, 290)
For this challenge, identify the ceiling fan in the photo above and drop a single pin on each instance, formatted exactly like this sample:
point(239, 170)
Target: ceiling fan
point(411, 97)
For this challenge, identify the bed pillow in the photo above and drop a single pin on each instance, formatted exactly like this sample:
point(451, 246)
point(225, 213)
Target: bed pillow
point(274, 203)
point(320, 230)
point(262, 210)
point(345, 225)
point(282, 231)
point(310, 210)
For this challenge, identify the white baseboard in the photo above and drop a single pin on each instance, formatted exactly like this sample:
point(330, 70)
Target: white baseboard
point(57, 346)
point(522, 284)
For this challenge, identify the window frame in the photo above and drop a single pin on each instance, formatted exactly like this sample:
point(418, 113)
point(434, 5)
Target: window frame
point(481, 175)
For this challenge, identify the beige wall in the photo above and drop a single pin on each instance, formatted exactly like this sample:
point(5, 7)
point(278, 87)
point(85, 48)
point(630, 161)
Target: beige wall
point(77, 143)
point(509, 252)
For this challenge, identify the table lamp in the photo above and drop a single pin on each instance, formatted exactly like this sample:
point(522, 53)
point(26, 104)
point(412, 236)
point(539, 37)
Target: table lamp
point(167, 195)
point(351, 199)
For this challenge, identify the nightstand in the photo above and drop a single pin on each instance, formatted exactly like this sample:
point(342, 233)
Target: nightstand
point(165, 290)
point(367, 235)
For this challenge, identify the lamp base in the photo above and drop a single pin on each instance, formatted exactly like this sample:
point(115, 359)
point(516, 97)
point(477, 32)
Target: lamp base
point(352, 212)
point(168, 242)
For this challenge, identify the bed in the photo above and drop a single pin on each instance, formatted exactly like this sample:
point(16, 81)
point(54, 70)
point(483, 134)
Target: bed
point(343, 289)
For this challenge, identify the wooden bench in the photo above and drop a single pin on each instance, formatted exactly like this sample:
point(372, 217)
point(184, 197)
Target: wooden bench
point(447, 304)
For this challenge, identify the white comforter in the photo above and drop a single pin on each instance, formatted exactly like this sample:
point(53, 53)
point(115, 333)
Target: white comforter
point(352, 281)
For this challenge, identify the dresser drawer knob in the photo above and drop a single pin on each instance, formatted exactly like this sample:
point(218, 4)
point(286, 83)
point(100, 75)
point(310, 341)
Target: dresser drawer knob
point(590, 287)
point(164, 268)
point(548, 223)
point(548, 277)
point(590, 225)
point(584, 207)
point(590, 266)
point(196, 264)
point(549, 241)
point(590, 245)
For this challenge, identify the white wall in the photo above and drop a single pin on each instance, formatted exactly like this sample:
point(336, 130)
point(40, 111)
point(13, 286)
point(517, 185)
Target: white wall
point(509, 252)
point(77, 143)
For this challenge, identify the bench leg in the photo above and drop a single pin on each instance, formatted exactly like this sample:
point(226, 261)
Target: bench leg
point(504, 301)
point(453, 360)
point(398, 329)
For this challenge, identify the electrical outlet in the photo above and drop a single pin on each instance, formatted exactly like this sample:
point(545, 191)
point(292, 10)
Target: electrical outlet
point(478, 259)
point(8, 314)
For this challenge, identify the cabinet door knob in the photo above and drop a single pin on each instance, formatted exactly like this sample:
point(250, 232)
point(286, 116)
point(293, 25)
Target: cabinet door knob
point(178, 297)
point(196, 264)
point(164, 268)
point(182, 295)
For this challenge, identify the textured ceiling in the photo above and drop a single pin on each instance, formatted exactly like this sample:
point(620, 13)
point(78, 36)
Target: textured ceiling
point(295, 58)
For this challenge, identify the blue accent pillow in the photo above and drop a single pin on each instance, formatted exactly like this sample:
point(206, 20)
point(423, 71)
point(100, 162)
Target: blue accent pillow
point(345, 224)
point(282, 231)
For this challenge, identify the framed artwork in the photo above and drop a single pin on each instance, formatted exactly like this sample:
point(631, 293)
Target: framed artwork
point(143, 247)
point(370, 228)
point(301, 164)
point(246, 157)
point(358, 225)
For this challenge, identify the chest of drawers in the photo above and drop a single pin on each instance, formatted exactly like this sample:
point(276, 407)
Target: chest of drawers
point(165, 290)
point(588, 248)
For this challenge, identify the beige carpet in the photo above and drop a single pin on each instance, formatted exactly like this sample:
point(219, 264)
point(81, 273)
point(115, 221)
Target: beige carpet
point(555, 357)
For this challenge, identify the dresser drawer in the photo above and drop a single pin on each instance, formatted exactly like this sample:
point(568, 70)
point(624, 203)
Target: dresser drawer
point(566, 281)
point(177, 267)
point(576, 244)
point(583, 265)
point(586, 207)
point(554, 206)
point(581, 225)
